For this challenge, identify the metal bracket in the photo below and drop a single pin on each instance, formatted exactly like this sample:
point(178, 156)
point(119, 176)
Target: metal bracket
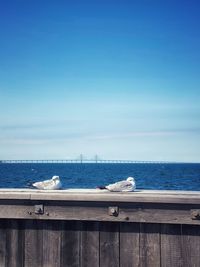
point(195, 214)
point(113, 211)
point(39, 209)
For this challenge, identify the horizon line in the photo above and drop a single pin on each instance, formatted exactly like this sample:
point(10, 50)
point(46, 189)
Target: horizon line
point(94, 161)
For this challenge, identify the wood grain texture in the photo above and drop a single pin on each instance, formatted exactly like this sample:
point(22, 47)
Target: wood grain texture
point(14, 243)
point(51, 243)
point(149, 245)
point(129, 244)
point(109, 244)
point(171, 246)
point(70, 244)
point(82, 233)
point(98, 211)
point(89, 244)
point(3, 242)
point(33, 244)
point(191, 245)
point(148, 196)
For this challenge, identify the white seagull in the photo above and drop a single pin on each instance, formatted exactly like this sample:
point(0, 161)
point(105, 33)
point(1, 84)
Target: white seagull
point(52, 184)
point(127, 185)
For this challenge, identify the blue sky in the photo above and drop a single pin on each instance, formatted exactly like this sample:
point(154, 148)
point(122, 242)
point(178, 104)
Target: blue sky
point(115, 78)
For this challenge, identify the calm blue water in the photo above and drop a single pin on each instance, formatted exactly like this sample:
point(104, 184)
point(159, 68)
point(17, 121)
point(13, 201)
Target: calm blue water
point(148, 176)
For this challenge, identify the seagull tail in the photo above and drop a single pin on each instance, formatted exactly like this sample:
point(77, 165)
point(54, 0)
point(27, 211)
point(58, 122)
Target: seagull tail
point(101, 187)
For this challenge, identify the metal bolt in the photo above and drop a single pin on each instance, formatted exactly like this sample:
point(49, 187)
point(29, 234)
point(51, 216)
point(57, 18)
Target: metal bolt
point(39, 209)
point(113, 211)
point(195, 214)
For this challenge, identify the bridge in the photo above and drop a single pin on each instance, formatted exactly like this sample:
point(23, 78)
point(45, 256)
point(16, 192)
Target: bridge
point(81, 160)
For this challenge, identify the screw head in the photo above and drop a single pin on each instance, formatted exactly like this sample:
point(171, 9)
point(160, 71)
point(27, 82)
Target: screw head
point(113, 211)
point(195, 214)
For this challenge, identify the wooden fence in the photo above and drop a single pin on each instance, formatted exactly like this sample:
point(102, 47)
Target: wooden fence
point(87, 228)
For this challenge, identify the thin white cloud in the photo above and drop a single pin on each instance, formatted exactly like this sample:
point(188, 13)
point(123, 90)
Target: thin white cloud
point(40, 138)
point(132, 134)
point(145, 133)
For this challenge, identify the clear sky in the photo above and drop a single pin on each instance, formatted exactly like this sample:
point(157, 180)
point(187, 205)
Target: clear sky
point(120, 79)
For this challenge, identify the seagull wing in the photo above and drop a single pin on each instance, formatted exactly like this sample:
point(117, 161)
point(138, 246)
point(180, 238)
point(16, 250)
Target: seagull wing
point(120, 186)
point(47, 184)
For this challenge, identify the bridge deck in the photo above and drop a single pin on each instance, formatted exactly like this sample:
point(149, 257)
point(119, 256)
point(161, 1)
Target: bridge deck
point(85, 161)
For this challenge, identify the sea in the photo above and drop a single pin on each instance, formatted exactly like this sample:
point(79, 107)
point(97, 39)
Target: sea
point(90, 175)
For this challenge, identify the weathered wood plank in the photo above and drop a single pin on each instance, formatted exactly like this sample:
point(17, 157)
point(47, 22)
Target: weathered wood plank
point(89, 241)
point(70, 244)
point(191, 245)
point(79, 245)
point(109, 244)
point(14, 243)
point(129, 244)
point(124, 197)
point(171, 246)
point(33, 255)
point(157, 213)
point(51, 243)
point(3, 242)
point(66, 234)
point(98, 211)
point(148, 196)
point(149, 245)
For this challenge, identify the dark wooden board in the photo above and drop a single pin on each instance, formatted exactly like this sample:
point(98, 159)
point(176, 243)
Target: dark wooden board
point(129, 244)
point(89, 244)
point(171, 245)
point(149, 245)
point(51, 243)
point(191, 245)
point(70, 244)
point(15, 243)
point(3, 242)
point(98, 211)
point(33, 243)
point(109, 244)
point(72, 233)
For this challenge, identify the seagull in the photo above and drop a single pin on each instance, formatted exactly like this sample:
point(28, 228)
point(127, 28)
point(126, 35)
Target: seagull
point(52, 184)
point(127, 185)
